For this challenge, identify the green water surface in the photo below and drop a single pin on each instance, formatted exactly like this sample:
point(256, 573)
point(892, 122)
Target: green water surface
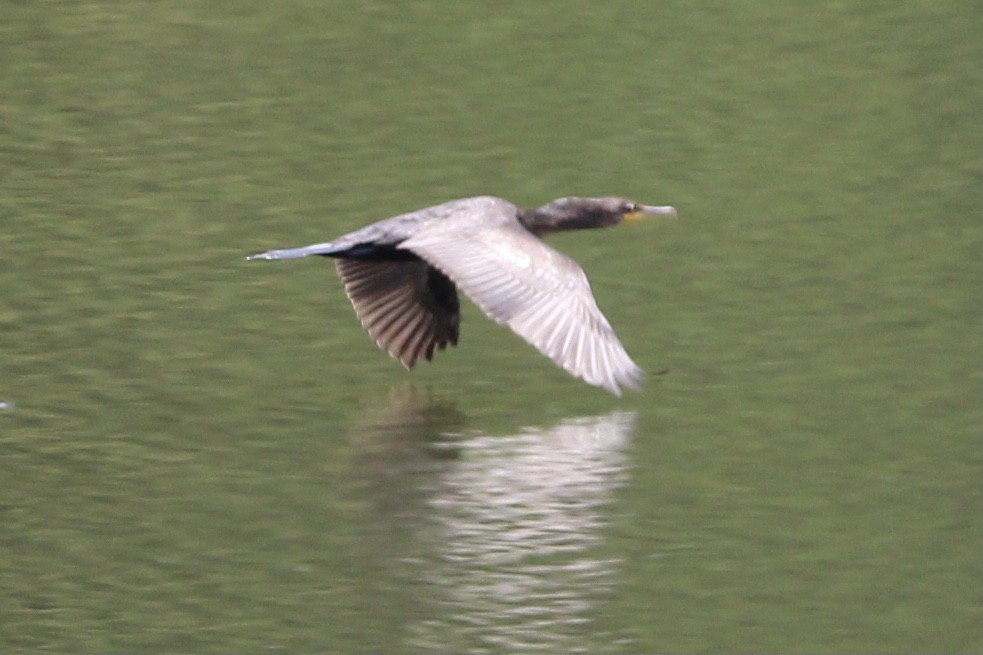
point(204, 455)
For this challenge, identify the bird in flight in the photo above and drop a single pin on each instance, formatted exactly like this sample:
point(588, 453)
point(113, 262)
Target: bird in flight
point(402, 275)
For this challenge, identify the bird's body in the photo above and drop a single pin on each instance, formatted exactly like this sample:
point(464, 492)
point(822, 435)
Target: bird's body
point(402, 275)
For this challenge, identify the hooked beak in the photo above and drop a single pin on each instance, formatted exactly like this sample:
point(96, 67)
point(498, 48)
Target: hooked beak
point(645, 211)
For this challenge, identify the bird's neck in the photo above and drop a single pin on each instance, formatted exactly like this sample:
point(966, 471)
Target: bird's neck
point(527, 218)
point(542, 223)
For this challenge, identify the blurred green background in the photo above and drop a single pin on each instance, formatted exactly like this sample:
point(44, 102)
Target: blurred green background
point(204, 455)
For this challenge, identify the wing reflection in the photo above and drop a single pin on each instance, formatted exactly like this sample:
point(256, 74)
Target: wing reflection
point(497, 538)
point(513, 529)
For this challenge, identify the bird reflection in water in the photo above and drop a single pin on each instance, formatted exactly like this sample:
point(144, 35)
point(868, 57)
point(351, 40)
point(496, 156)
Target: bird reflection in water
point(507, 532)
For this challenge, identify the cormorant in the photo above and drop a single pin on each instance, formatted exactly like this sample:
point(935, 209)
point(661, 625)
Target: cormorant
point(402, 275)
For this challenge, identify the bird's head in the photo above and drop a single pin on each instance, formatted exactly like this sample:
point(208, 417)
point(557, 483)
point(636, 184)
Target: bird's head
point(585, 213)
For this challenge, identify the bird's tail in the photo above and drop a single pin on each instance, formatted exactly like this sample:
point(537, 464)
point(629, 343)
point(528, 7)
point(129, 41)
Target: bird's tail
point(324, 249)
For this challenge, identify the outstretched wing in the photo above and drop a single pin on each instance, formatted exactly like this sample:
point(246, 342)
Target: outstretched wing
point(538, 292)
point(408, 307)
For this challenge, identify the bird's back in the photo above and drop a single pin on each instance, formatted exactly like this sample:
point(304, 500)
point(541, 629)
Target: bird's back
point(464, 214)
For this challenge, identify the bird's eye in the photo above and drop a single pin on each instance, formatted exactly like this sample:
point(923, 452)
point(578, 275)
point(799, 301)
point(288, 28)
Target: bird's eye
point(630, 207)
